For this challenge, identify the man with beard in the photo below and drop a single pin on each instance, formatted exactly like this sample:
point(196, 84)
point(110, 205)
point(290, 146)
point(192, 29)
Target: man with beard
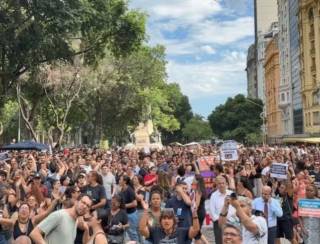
point(61, 226)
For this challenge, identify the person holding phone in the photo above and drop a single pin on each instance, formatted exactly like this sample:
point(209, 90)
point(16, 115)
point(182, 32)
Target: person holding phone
point(181, 204)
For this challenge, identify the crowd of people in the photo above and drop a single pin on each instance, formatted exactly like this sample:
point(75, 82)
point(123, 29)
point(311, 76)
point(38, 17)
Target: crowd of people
point(117, 196)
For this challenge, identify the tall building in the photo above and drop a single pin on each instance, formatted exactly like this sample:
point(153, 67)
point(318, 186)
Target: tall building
point(309, 24)
point(252, 72)
point(272, 81)
point(295, 67)
point(285, 101)
point(265, 13)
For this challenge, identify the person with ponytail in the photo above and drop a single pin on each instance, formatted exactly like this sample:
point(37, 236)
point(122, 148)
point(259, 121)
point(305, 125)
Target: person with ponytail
point(129, 198)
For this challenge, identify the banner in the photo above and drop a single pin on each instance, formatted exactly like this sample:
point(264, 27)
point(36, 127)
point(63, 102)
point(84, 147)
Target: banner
point(278, 170)
point(205, 162)
point(229, 151)
point(309, 208)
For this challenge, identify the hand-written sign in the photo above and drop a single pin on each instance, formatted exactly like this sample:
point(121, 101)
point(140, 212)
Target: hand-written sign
point(309, 208)
point(229, 151)
point(278, 170)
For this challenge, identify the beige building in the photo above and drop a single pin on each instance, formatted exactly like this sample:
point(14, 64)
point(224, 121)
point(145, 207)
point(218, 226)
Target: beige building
point(272, 82)
point(309, 24)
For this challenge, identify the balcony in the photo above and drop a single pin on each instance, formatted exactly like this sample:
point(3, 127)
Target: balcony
point(283, 104)
point(312, 51)
point(311, 35)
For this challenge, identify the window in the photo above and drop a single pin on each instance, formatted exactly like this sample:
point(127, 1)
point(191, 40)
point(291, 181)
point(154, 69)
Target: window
point(283, 98)
point(316, 118)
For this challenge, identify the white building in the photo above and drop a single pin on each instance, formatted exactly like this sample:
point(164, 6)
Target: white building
point(285, 95)
point(265, 13)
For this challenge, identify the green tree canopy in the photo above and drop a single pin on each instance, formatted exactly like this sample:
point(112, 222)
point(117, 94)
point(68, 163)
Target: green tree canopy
point(36, 32)
point(237, 118)
point(197, 129)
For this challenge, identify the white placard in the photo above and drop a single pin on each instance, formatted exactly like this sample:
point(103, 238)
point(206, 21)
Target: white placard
point(279, 170)
point(229, 151)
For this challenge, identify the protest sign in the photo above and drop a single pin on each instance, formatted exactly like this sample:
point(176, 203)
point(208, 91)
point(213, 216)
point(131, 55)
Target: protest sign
point(208, 178)
point(278, 170)
point(309, 208)
point(205, 162)
point(229, 151)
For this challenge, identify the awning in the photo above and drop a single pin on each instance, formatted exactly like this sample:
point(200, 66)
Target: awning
point(311, 140)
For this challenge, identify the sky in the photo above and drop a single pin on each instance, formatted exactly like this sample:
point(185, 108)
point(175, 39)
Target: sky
point(206, 45)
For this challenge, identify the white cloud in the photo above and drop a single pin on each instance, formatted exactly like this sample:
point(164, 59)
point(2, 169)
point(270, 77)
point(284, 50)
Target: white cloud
point(223, 77)
point(202, 30)
point(208, 49)
point(186, 10)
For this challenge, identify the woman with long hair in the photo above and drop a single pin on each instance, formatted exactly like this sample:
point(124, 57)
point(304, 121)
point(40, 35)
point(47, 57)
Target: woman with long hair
point(199, 197)
point(25, 222)
point(94, 221)
point(168, 230)
point(243, 188)
point(129, 197)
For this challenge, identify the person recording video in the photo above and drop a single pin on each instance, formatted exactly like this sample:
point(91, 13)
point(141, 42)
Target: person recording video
point(254, 227)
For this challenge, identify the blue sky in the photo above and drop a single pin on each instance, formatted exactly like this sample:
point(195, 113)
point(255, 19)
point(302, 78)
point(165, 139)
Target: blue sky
point(206, 44)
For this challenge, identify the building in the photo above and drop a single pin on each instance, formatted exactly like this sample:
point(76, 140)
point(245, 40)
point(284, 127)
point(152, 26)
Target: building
point(309, 24)
point(265, 13)
point(252, 72)
point(272, 82)
point(297, 113)
point(285, 101)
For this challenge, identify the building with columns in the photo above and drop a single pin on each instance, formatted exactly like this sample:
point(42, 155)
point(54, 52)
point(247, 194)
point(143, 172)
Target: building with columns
point(285, 100)
point(272, 82)
point(309, 24)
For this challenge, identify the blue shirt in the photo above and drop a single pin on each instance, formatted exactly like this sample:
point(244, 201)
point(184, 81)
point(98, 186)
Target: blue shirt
point(274, 210)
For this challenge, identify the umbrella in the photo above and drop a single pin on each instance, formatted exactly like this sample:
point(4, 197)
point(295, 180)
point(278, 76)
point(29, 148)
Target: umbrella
point(192, 144)
point(175, 144)
point(26, 145)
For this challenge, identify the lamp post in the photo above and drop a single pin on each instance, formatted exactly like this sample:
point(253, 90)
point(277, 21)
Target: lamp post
point(263, 117)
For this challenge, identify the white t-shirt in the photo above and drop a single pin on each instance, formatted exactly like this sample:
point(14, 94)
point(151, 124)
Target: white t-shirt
point(261, 237)
point(265, 171)
point(109, 180)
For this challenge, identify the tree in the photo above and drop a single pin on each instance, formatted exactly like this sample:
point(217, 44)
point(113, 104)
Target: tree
point(62, 85)
point(197, 129)
point(237, 118)
point(37, 32)
point(181, 111)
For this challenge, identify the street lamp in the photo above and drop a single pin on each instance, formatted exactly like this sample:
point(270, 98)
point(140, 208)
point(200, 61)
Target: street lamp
point(263, 117)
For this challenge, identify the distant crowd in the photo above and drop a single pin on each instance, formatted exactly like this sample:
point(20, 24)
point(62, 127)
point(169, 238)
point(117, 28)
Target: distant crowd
point(87, 195)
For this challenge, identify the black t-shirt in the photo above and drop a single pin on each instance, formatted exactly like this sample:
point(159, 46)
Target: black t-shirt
point(96, 193)
point(182, 211)
point(158, 236)
point(110, 223)
point(128, 196)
